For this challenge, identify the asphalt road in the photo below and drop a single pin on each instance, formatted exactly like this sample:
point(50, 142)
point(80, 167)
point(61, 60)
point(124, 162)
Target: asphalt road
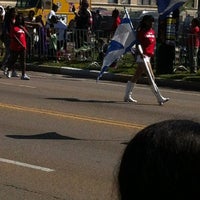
point(62, 137)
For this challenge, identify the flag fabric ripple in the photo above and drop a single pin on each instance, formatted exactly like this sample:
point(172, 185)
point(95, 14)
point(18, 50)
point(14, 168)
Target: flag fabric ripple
point(167, 6)
point(122, 41)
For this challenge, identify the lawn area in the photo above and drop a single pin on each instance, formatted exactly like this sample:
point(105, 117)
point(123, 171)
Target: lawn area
point(126, 65)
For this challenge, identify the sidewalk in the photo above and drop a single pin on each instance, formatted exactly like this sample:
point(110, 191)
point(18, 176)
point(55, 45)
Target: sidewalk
point(80, 73)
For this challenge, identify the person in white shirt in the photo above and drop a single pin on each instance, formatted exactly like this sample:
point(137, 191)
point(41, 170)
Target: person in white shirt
point(52, 13)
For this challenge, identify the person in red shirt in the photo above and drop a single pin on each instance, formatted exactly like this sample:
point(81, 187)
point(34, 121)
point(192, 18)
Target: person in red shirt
point(193, 46)
point(116, 21)
point(18, 47)
point(9, 20)
point(147, 39)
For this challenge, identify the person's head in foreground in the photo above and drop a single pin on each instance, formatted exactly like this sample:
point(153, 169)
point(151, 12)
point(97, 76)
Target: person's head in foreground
point(162, 162)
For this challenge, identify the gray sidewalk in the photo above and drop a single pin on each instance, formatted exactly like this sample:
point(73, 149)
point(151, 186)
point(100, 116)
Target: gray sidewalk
point(92, 74)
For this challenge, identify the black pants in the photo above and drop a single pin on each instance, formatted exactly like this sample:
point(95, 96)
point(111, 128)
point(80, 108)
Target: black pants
point(14, 55)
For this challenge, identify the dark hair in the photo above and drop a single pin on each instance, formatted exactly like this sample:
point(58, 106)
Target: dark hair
point(147, 18)
point(162, 162)
point(31, 12)
point(143, 23)
point(84, 5)
point(196, 21)
point(115, 13)
point(19, 20)
point(54, 6)
point(12, 12)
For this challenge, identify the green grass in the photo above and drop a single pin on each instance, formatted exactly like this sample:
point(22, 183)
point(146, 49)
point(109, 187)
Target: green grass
point(126, 65)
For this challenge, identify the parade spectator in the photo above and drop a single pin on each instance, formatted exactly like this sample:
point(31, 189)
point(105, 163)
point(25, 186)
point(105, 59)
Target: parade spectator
point(115, 24)
point(2, 15)
point(31, 28)
point(83, 23)
point(162, 161)
point(72, 24)
point(9, 20)
point(61, 31)
point(41, 43)
point(18, 47)
point(116, 21)
point(52, 43)
point(193, 45)
point(52, 13)
point(57, 33)
point(147, 39)
point(97, 19)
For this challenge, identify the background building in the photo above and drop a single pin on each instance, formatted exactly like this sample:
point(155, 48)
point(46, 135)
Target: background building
point(192, 7)
point(8, 3)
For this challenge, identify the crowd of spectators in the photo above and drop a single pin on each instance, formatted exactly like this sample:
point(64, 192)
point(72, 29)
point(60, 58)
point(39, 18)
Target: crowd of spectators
point(47, 39)
point(53, 39)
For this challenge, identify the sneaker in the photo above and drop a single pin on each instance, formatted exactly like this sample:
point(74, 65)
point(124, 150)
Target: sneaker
point(5, 71)
point(25, 77)
point(8, 74)
point(15, 74)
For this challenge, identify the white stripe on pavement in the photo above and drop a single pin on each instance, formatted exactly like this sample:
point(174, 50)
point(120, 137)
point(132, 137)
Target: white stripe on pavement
point(26, 165)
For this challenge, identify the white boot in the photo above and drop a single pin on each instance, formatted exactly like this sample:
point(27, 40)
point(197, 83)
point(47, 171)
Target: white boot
point(128, 93)
point(161, 100)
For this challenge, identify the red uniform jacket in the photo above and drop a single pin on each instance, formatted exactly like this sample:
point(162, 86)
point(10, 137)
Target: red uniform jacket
point(147, 40)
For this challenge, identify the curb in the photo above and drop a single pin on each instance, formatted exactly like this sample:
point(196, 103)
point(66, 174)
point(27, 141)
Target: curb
point(93, 74)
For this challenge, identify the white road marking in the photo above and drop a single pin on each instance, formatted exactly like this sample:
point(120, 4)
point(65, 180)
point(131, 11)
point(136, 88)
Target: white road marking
point(12, 84)
point(27, 86)
point(26, 165)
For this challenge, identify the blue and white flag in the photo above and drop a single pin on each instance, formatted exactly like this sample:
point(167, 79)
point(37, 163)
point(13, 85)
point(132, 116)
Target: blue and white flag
point(167, 6)
point(122, 41)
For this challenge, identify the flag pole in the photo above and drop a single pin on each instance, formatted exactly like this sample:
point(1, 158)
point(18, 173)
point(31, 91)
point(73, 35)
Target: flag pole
point(127, 15)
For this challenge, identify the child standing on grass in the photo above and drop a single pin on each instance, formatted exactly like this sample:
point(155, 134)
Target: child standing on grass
point(52, 43)
point(18, 47)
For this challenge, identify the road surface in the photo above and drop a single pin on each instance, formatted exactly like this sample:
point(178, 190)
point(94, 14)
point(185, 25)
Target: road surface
point(62, 138)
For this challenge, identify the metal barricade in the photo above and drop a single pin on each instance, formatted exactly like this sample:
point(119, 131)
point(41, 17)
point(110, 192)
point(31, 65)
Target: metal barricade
point(77, 44)
point(185, 56)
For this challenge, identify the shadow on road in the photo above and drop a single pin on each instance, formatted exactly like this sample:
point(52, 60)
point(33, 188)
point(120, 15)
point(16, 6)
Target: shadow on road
point(48, 136)
point(102, 101)
point(80, 100)
point(56, 136)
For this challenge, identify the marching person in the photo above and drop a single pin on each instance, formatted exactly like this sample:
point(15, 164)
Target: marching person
point(147, 40)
